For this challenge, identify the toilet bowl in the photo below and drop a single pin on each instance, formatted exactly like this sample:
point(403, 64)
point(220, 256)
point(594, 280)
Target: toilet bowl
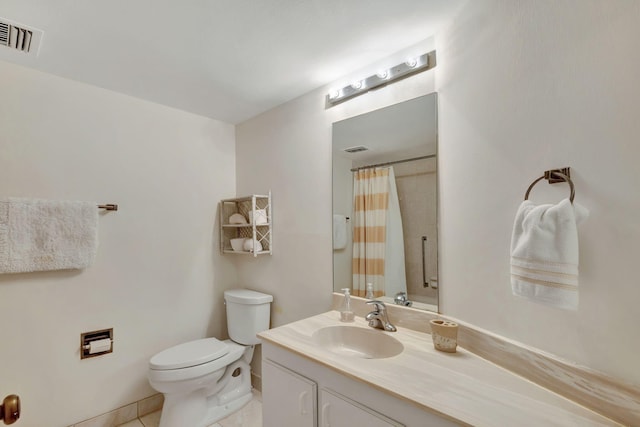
point(206, 380)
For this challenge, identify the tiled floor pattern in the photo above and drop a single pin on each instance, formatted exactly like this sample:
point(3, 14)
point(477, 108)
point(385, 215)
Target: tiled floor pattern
point(249, 416)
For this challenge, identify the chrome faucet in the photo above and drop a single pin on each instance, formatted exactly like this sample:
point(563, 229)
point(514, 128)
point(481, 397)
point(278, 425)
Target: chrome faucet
point(378, 317)
point(401, 299)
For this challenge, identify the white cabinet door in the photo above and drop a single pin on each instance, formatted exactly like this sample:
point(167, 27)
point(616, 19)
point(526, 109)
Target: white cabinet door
point(340, 411)
point(288, 399)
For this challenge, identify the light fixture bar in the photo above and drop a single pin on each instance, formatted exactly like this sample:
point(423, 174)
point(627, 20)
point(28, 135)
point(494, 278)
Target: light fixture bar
point(411, 66)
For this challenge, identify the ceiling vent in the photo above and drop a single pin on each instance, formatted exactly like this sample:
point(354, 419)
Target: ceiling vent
point(19, 37)
point(356, 149)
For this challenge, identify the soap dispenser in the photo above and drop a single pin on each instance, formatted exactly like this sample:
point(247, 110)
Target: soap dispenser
point(369, 293)
point(346, 314)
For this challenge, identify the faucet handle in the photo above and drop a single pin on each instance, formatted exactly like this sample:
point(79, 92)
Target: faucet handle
point(400, 298)
point(378, 305)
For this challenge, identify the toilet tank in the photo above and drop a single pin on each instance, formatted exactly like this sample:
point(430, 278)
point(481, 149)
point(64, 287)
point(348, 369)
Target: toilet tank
point(248, 313)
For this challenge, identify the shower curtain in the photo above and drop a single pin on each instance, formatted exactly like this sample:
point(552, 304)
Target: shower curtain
point(378, 247)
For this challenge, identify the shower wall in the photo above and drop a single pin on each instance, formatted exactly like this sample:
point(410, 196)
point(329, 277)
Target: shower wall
point(416, 183)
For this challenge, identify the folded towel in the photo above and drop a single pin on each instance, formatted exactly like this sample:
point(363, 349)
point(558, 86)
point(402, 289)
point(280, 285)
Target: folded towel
point(544, 253)
point(42, 235)
point(339, 232)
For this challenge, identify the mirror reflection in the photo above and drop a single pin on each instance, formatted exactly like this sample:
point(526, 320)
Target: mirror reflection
point(385, 233)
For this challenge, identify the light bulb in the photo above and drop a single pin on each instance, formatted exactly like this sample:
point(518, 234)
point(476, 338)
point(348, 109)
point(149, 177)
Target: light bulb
point(383, 74)
point(412, 62)
point(358, 84)
point(334, 93)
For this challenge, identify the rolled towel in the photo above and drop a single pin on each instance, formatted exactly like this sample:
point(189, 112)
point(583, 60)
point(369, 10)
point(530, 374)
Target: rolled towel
point(544, 253)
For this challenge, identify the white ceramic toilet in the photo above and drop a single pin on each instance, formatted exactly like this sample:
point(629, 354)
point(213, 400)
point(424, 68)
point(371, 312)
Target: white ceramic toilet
point(205, 380)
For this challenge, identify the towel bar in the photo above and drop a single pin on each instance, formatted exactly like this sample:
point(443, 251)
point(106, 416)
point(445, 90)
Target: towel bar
point(108, 207)
point(555, 176)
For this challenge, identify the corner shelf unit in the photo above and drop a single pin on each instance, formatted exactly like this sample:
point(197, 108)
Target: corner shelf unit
point(247, 207)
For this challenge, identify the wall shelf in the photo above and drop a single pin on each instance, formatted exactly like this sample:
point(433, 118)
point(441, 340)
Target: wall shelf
point(259, 233)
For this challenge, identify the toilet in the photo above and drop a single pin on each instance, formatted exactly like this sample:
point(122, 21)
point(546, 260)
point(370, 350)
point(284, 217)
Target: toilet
point(206, 380)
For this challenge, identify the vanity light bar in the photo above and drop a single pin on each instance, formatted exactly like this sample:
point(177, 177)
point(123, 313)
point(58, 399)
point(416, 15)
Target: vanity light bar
point(411, 66)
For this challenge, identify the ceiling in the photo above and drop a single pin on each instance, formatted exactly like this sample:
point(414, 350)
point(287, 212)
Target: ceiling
point(225, 59)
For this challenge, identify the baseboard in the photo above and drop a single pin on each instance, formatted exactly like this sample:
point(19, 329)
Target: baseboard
point(125, 413)
point(256, 381)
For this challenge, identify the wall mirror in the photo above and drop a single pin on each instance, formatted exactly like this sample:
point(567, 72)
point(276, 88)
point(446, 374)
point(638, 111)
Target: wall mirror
point(385, 225)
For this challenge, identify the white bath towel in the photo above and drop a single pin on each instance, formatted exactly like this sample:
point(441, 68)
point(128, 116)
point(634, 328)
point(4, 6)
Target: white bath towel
point(339, 232)
point(544, 253)
point(42, 235)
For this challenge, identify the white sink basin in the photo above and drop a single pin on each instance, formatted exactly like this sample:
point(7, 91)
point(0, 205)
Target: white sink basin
point(357, 342)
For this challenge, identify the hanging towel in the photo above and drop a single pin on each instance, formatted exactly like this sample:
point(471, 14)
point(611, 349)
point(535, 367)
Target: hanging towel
point(42, 235)
point(339, 231)
point(544, 253)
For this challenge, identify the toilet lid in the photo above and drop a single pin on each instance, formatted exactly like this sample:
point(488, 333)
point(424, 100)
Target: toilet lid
point(189, 354)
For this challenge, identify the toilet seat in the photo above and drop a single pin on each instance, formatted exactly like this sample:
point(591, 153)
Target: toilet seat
point(213, 367)
point(189, 354)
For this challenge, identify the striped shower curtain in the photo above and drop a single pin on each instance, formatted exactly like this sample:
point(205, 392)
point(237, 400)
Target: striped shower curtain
point(370, 204)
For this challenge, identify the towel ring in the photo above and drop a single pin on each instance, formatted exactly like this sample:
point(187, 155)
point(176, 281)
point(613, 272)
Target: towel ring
point(548, 176)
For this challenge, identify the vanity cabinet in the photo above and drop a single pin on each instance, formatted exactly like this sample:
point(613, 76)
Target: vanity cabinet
point(256, 224)
point(292, 397)
point(340, 411)
point(290, 382)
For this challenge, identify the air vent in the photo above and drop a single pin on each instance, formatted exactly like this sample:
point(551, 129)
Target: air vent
point(4, 33)
point(19, 37)
point(356, 149)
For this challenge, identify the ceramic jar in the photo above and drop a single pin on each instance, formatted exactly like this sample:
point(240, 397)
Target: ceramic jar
point(445, 335)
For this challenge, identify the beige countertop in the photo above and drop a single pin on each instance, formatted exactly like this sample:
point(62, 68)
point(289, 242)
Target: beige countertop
point(459, 386)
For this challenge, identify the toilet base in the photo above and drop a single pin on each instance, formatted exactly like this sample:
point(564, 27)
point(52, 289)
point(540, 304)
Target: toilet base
point(204, 406)
point(194, 410)
point(219, 412)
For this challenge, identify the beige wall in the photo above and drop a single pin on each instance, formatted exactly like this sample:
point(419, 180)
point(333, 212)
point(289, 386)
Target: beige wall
point(342, 186)
point(523, 87)
point(417, 190)
point(158, 276)
point(288, 150)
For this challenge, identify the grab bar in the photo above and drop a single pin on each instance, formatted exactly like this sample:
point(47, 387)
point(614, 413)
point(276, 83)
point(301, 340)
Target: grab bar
point(425, 282)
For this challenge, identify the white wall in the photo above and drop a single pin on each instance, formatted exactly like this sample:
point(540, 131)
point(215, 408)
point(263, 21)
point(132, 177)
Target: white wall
point(527, 86)
point(158, 276)
point(523, 87)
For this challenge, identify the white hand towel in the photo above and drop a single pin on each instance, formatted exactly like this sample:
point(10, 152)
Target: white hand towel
point(339, 232)
point(43, 235)
point(544, 253)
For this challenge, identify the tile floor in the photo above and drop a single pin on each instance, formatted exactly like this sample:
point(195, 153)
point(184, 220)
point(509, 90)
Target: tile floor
point(249, 416)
